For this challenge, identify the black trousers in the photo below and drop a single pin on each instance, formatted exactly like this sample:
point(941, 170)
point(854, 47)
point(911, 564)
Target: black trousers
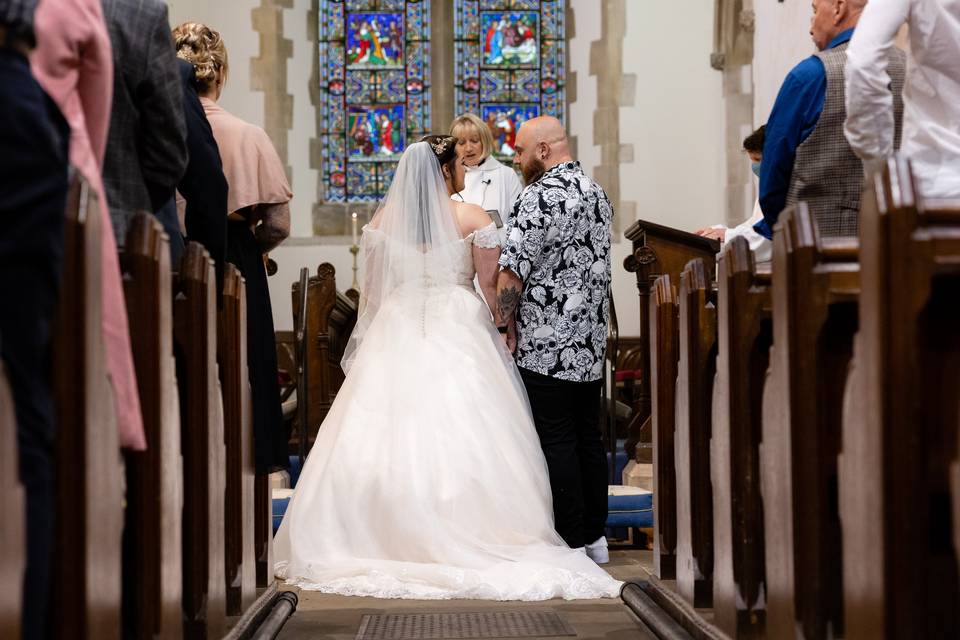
point(567, 416)
point(33, 190)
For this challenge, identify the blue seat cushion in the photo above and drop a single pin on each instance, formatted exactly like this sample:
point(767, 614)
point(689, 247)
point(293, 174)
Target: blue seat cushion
point(629, 507)
point(281, 499)
point(294, 470)
point(279, 508)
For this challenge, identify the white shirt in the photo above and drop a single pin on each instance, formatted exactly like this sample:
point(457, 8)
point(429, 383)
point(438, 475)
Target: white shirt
point(931, 95)
point(492, 186)
point(761, 247)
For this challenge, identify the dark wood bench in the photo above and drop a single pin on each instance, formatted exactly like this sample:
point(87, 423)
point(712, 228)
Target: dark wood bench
point(202, 441)
point(657, 250)
point(240, 563)
point(744, 338)
point(153, 562)
point(663, 380)
point(815, 288)
point(13, 524)
point(86, 573)
point(900, 489)
point(697, 368)
point(331, 316)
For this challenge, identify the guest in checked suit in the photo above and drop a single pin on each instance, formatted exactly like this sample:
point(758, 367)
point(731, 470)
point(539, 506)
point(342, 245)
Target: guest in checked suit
point(147, 149)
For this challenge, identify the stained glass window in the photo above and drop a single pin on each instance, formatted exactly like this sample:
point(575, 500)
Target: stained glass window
point(509, 60)
point(375, 91)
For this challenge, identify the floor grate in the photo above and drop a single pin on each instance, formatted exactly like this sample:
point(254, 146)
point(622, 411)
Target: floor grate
point(443, 626)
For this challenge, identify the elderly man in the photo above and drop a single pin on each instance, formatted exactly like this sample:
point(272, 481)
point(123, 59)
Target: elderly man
point(806, 156)
point(552, 298)
point(931, 135)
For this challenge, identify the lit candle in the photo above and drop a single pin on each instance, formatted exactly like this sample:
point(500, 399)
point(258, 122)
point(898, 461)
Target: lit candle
point(353, 217)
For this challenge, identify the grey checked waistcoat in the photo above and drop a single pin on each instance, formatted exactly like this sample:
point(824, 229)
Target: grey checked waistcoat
point(827, 175)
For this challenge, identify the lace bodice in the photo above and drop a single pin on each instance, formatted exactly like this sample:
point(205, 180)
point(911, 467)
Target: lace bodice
point(437, 262)
point(485, 238)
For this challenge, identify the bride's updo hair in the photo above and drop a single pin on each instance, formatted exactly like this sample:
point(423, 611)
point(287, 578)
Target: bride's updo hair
point(444, 148)
point(202, 47)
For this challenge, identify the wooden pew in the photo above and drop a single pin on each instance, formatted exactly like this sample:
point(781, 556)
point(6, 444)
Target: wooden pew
point(663, 379)
point(698, 354)
point(900, 420)
point(263, 530)
point(815, 288)
point(744, 338)
point(13, 550)
point(87, 560)
point(657, 250)
point(201, 420)
point(627, 387)
point(240, 568)
point(153, 570)
point(331, 316)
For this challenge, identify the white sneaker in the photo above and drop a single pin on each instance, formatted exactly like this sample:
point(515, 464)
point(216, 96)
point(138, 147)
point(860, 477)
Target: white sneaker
point(597, 550)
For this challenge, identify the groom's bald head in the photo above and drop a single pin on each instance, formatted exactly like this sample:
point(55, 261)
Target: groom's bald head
point(541, 144)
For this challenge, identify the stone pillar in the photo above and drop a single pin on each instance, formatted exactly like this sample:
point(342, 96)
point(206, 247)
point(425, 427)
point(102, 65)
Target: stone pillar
point(441, 65)
point(616, 90)
point(268, 73)
point(733, 56)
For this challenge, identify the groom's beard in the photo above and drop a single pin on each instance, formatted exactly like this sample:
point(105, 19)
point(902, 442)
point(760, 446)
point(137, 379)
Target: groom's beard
point(533, 171)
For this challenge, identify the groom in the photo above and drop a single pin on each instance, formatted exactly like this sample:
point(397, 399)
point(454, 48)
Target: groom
point(553, 309)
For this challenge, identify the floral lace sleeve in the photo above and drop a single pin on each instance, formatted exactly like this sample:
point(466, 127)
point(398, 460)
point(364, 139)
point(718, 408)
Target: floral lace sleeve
point(486, 254)
point(487, 238)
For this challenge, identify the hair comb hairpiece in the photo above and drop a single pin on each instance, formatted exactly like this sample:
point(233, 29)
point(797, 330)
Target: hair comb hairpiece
point(440, 146)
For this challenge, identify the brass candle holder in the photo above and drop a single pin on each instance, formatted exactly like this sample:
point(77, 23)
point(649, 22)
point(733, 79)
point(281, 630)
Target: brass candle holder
point(355, 250)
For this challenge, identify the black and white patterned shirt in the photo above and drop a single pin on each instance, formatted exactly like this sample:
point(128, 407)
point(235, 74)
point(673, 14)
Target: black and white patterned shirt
point(558, 243)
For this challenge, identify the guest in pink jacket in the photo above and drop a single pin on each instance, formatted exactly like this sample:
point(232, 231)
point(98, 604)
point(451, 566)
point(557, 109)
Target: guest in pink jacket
point(73, 64)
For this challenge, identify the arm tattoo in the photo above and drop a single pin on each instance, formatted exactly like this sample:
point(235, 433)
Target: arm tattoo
point(507, 300)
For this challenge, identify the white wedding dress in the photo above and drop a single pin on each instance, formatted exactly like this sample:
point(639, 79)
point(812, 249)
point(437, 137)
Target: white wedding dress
point(427, 480)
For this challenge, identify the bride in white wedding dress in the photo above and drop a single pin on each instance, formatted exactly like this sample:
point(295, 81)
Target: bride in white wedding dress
point(426, 480)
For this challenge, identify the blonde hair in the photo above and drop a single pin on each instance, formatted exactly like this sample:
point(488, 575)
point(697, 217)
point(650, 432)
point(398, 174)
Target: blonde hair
point(202, 47)
point(474, 122)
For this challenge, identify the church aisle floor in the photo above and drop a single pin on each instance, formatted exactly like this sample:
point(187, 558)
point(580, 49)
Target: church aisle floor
point(331, 617)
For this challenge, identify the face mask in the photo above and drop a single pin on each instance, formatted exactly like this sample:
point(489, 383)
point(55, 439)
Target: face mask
point(756, 168)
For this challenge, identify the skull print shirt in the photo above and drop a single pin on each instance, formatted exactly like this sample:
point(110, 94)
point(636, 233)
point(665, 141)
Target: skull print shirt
point(558, 243)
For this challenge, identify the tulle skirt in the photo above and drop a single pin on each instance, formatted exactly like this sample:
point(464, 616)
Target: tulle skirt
point(427, 480)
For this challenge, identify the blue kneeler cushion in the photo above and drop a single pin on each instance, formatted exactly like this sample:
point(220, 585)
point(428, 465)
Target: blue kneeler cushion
point(629, 507)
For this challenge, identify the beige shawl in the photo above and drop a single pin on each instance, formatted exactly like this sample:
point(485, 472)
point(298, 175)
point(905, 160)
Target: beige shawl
point(251, 165)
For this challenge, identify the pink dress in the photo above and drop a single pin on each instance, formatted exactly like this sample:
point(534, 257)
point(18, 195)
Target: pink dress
point(73, 64)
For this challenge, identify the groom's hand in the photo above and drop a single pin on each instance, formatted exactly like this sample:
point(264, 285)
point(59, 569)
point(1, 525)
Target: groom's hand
point(510, 337)
point(508, 332)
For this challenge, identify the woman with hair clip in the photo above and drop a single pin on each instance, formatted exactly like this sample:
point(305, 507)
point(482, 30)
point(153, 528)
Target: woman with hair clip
point(487, 183)
point(454, 500)
point(258, 219)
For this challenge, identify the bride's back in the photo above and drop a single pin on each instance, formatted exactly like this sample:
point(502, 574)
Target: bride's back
point(470, 217)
